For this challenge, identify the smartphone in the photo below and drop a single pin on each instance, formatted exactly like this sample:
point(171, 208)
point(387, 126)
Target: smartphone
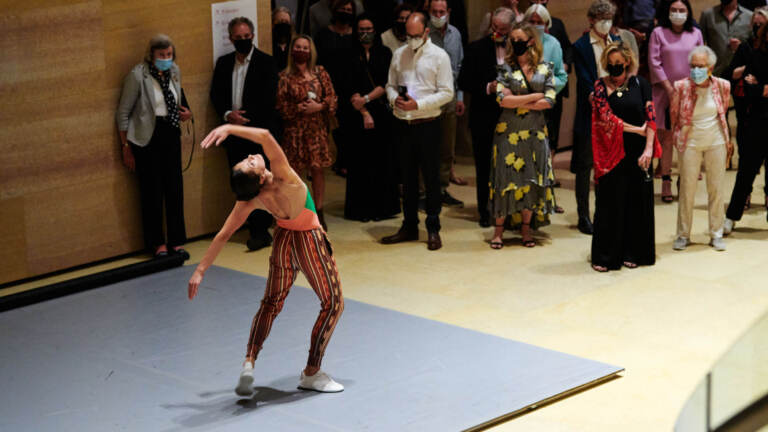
point(403, 92)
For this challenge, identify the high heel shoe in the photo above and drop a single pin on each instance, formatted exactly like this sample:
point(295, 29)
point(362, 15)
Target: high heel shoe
point(666, 189)
point(496, 245)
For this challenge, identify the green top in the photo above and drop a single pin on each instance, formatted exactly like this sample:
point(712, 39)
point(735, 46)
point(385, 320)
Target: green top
point(310, 204)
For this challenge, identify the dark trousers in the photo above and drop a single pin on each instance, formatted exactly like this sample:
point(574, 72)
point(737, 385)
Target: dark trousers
point(158, 167)
point(420, 149)
point(582, 192)
point(743, 141)
point(237, 150)
point(751, 158)
point(482, 145)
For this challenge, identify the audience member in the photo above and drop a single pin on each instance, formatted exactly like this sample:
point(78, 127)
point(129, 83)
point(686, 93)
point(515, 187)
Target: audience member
point(724, 28)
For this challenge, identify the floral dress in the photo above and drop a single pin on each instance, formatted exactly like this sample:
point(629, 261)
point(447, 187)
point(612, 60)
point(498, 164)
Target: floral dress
point(305, 139)
point(521, 166)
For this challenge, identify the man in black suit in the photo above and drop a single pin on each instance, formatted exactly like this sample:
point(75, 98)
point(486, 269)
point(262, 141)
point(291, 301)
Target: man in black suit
point(243, 92)
point(478, 73)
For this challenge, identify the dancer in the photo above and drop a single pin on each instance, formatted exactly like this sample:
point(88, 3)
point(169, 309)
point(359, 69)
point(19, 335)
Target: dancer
point(299, 244)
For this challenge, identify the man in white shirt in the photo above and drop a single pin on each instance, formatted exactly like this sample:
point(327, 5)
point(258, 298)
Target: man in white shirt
point(420, 84)
point(243, 92)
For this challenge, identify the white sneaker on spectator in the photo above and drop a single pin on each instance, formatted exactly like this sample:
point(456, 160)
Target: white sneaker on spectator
point(244, 386)
point(680, 243)
point(728, 226)
point(319, 382)
point(718, 243)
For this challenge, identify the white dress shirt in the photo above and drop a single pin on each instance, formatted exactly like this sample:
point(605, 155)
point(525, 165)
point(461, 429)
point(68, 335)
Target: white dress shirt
point(428, 76)
point(598, 46)
point(238, 82)
point(161, 110)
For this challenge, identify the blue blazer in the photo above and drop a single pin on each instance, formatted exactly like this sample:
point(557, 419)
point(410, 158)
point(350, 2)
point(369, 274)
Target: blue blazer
point(586, 75)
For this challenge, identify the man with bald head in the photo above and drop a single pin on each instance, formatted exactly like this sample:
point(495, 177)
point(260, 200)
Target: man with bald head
point(420, 84)
point(478, 71)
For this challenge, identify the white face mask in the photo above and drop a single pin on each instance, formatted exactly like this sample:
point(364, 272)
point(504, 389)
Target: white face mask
point(603, 26)
point(678, 18)
point(415, 43)
point(438, 22)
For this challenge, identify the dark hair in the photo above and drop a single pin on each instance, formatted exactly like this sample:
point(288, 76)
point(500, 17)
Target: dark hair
point(237, 21)
point(246, 187)
point(662, 15)
point(400, 8)
point(336, 4)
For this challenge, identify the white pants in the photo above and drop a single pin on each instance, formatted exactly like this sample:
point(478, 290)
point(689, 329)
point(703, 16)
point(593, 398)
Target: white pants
point(690, 167)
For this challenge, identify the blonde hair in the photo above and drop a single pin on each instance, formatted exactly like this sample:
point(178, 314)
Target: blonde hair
point(622, 49)
point(534, 51)
point(158, 42)
point(290, 68)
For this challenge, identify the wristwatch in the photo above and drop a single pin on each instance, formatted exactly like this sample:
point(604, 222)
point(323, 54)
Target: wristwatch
point(367, 99)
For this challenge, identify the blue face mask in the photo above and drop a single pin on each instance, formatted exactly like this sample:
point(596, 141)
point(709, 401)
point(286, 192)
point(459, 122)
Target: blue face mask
point(541, 28)
point(163, 64)
point(699, 74)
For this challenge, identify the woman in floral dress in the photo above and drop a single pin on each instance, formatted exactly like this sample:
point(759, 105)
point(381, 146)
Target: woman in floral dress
point(306, 99)
point(521, 171)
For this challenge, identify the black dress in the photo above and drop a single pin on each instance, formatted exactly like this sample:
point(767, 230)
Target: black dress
point(624, 220)
point(371, 177)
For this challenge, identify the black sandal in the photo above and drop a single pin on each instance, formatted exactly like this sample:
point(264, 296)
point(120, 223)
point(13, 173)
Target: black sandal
point(668, 198)
point(528, 243)
point(496, 245)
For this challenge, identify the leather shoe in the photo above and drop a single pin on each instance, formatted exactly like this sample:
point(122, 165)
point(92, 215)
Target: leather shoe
point(484, 222)
point(434, 242)
point(259, 241)
point(585, 226)
point(403, 235)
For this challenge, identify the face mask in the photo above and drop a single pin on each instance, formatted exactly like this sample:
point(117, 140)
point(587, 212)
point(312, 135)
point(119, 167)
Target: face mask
point(415, 42)
point(367, 38)
point(499, 38)
point(281, 32)
point(615, 70)
point(678, 18)
point(399, 28)
point(519, 47)
point(343, 18)
point(243, 46)
point(438, 22)
point(541, 28)
point(163, 64)
point(604, 26)
point(300, 57)
point(699, 74)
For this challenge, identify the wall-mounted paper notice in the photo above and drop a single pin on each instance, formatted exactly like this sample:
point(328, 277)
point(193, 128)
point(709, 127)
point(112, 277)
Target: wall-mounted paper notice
point(221, 14)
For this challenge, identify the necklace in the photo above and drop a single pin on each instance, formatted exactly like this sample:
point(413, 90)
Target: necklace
point(622, 88)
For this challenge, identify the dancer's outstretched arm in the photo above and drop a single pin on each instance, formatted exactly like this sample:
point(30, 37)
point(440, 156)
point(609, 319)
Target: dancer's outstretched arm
point(277, 160)
point(234, 221)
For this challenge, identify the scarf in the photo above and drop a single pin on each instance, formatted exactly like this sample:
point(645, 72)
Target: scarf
point(170, 102)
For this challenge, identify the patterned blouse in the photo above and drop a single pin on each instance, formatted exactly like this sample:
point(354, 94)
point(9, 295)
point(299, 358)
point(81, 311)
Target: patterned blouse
point(684, 102)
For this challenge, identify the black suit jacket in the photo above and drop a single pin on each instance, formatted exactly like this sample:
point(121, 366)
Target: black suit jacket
point(259, 91)
point(477, 70)
point(558, 31)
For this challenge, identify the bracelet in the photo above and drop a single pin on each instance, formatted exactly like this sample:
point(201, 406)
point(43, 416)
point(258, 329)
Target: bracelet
point(367, 99)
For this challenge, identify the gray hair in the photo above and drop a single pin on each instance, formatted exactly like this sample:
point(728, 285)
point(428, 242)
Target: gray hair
point(158, 42)
point(500, 12)
point(703, 49)
point(600, 8)
point(542, 12)
point(281, 9)
point(237, 21)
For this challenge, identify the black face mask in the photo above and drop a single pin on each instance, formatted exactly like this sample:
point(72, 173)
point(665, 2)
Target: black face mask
point(399, 28)
point(281, 33)
point(519, 47)
point(344, 18)
point(615, 70)
point(723, 3)
point(243, 46)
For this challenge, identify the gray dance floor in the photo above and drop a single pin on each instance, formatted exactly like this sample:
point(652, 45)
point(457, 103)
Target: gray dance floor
point(138, 356)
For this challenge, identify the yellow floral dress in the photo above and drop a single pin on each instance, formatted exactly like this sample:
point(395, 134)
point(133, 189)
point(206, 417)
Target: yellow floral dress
point(521, 166)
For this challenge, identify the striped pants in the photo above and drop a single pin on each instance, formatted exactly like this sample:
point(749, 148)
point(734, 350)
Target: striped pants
point(310, 252)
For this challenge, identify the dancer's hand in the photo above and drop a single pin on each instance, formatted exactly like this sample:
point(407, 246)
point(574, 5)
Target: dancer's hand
point(194, 283)
point(216, 136)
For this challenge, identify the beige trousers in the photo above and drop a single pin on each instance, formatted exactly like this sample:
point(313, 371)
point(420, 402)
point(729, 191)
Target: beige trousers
point(690, 167)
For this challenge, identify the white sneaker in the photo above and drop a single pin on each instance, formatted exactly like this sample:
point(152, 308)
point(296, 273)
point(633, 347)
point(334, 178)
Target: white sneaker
point(680, 243)
point(244, 386)
point(319, 382)
point(728, 226)
point(718, 243)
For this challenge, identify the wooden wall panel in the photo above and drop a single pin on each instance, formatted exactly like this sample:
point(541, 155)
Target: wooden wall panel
point(65, 197)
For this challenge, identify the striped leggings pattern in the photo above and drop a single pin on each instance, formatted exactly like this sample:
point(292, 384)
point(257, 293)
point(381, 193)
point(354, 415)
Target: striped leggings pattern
point(310, 252)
